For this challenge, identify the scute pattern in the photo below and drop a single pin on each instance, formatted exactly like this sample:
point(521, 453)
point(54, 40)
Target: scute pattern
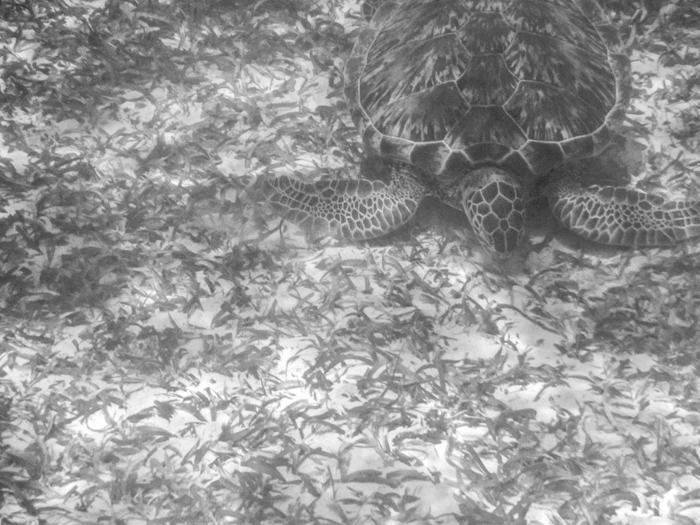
point(560, 20)
point(485, 77)
point(558, 64)
point(495, 209)
point(485, 124)
point(487, 81)
point(552, 114)
point(410, 69)
point(486, 33)
point(422, 117)
point(541, 157)
point(439, 17)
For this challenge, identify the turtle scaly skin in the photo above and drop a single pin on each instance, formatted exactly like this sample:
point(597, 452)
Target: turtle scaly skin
point(624, 217)
point(355, 209)
point(475, 101)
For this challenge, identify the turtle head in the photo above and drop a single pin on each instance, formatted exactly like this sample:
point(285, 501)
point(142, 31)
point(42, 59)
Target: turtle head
point(492, 199)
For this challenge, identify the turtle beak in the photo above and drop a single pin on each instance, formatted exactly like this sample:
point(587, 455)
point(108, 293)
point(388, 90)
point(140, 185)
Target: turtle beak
point(493, 202)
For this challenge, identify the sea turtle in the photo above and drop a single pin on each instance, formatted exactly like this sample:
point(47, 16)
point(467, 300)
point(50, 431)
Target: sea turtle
point(475, 102)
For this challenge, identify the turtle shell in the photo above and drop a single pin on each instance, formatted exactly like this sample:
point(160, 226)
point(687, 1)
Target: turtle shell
point(448, 85)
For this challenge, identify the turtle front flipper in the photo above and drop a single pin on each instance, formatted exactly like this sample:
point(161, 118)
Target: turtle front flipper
point(624, 217)
point(354, 208)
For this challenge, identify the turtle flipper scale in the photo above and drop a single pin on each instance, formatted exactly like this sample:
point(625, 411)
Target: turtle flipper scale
point(358, 209)
point(623, 216)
